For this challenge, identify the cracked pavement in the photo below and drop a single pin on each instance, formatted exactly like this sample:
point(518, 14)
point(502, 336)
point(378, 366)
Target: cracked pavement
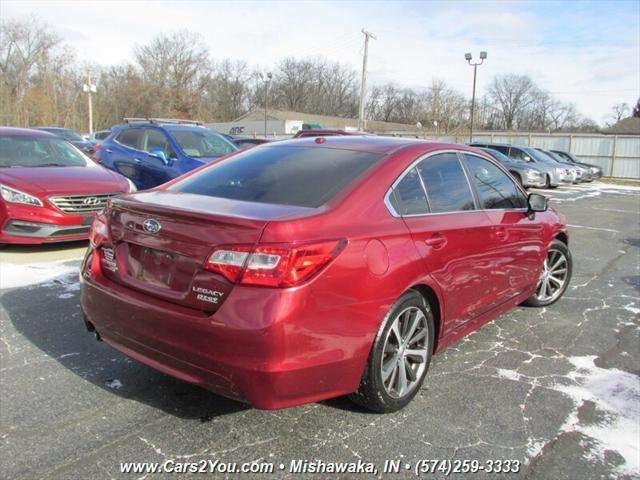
point(527, 386)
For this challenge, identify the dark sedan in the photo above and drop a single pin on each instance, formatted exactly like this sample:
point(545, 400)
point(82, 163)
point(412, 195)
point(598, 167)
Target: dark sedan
point(596, 171)
point(72, 137)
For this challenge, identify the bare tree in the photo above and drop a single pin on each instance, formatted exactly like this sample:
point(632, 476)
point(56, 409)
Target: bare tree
point(511, 94)
point(175, 65)
point(619, 111)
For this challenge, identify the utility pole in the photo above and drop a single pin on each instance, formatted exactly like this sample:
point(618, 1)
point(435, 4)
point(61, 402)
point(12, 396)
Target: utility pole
point(89, 88)
point(363, 85)
point(468, 57)
point(266, 98)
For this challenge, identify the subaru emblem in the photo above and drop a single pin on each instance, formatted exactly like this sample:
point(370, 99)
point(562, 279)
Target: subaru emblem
point(151, 225)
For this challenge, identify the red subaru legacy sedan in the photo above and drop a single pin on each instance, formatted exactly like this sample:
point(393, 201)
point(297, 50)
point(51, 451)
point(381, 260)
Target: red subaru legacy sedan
point(306, 269)
point(50, 191)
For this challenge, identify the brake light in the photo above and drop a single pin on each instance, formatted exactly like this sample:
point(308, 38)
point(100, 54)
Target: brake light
point(99, 231)
point(94, 154)
point(273, 265)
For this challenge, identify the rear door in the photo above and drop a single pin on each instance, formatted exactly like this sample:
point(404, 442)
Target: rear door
point(516, 239)
point(121, 152)
point(453, 237)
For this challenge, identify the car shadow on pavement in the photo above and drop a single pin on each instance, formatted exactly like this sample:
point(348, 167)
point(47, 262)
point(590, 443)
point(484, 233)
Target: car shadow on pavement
point(49, 317)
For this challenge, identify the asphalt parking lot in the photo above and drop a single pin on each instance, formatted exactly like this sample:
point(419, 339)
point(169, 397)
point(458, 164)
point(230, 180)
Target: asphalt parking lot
point(557, 389)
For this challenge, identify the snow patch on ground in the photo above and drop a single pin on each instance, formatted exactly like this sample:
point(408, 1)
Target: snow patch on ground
point(508, 374)
point(114, 383)
point(14, 275)
point(617, 394)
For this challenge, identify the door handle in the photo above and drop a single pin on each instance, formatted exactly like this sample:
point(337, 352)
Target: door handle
point(436, 241)
point(501, 234)
point(137, 160)
point(108, 150)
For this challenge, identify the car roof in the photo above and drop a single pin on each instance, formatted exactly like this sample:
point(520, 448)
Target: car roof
point(366, 143)
point(166, 126)
point(332, 130)
point(24, 132)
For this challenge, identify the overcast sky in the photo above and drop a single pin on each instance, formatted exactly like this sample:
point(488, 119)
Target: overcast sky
point(581, 51)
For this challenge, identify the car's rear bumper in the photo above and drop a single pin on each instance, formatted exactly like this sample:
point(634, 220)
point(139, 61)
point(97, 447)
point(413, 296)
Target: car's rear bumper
point(25, 224)
point(273, 348)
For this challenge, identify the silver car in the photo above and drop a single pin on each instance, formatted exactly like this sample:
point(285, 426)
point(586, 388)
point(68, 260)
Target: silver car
point(555, 174)
point(527, 174)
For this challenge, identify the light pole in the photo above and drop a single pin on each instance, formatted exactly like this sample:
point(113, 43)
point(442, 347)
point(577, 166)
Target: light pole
point(266, 81)
point(468, 57)
point(89, 88)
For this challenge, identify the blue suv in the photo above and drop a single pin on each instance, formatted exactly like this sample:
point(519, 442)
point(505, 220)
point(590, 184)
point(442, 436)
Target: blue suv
point(151, 152)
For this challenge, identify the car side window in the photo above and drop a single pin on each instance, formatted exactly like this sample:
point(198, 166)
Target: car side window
point(408, 196)
point(446, 183)
point(500, 149)
point(496, 190)
point(517, 154)
point(130, 137)
point(156, 139)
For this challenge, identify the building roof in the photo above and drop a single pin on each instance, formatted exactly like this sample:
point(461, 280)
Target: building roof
point(326, 121)
point(626, 126)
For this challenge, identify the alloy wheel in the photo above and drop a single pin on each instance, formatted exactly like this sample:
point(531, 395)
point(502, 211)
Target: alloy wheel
point(405, 352)
point(553, 276)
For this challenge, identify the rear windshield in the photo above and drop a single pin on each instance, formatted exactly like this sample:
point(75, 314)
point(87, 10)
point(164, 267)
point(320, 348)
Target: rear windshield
point(285, 175)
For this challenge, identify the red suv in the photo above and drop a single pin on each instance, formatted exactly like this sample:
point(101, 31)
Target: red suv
point(306, 269)
point(50, 191)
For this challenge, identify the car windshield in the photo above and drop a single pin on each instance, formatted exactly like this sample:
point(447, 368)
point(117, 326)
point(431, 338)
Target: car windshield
point(555, 156)
point(203, 143)
point(501, 157)
point(539, 156)
point(284, 175)
point(22, 151)
point(65, 133)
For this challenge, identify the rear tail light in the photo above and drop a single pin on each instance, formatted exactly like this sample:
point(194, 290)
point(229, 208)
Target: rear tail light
point(99, 231)
point(273, 265)
point(94, 154)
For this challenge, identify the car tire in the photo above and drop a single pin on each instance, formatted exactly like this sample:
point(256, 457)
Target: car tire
point(384, 394)
point(558, 264)
point(547, 183)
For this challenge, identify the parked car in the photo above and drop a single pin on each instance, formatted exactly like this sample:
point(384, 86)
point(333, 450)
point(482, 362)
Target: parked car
point(99, 136)
point(49, 190)
point(312, 268)
point(244, 142)
point(325, 133)
point(527, 174)
point(151, 152)
point(596, 171)
point(72, 137)
point(556, 174)
point(580, 174)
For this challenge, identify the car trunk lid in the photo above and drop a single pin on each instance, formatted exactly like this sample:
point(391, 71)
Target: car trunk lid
point(160, 240)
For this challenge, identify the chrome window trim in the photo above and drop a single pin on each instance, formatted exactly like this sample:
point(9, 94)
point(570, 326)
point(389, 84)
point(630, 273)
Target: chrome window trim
point(394, 213)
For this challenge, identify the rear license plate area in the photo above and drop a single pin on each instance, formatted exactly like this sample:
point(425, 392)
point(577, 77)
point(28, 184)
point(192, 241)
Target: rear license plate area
point(159, 268)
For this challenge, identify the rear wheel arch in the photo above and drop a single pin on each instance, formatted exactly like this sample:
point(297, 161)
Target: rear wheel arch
point(433, 301)
point(563, 237)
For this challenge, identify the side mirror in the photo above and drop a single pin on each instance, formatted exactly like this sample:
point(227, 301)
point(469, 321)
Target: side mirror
point(536, 203)
point(159, 154)
point(526, 158)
